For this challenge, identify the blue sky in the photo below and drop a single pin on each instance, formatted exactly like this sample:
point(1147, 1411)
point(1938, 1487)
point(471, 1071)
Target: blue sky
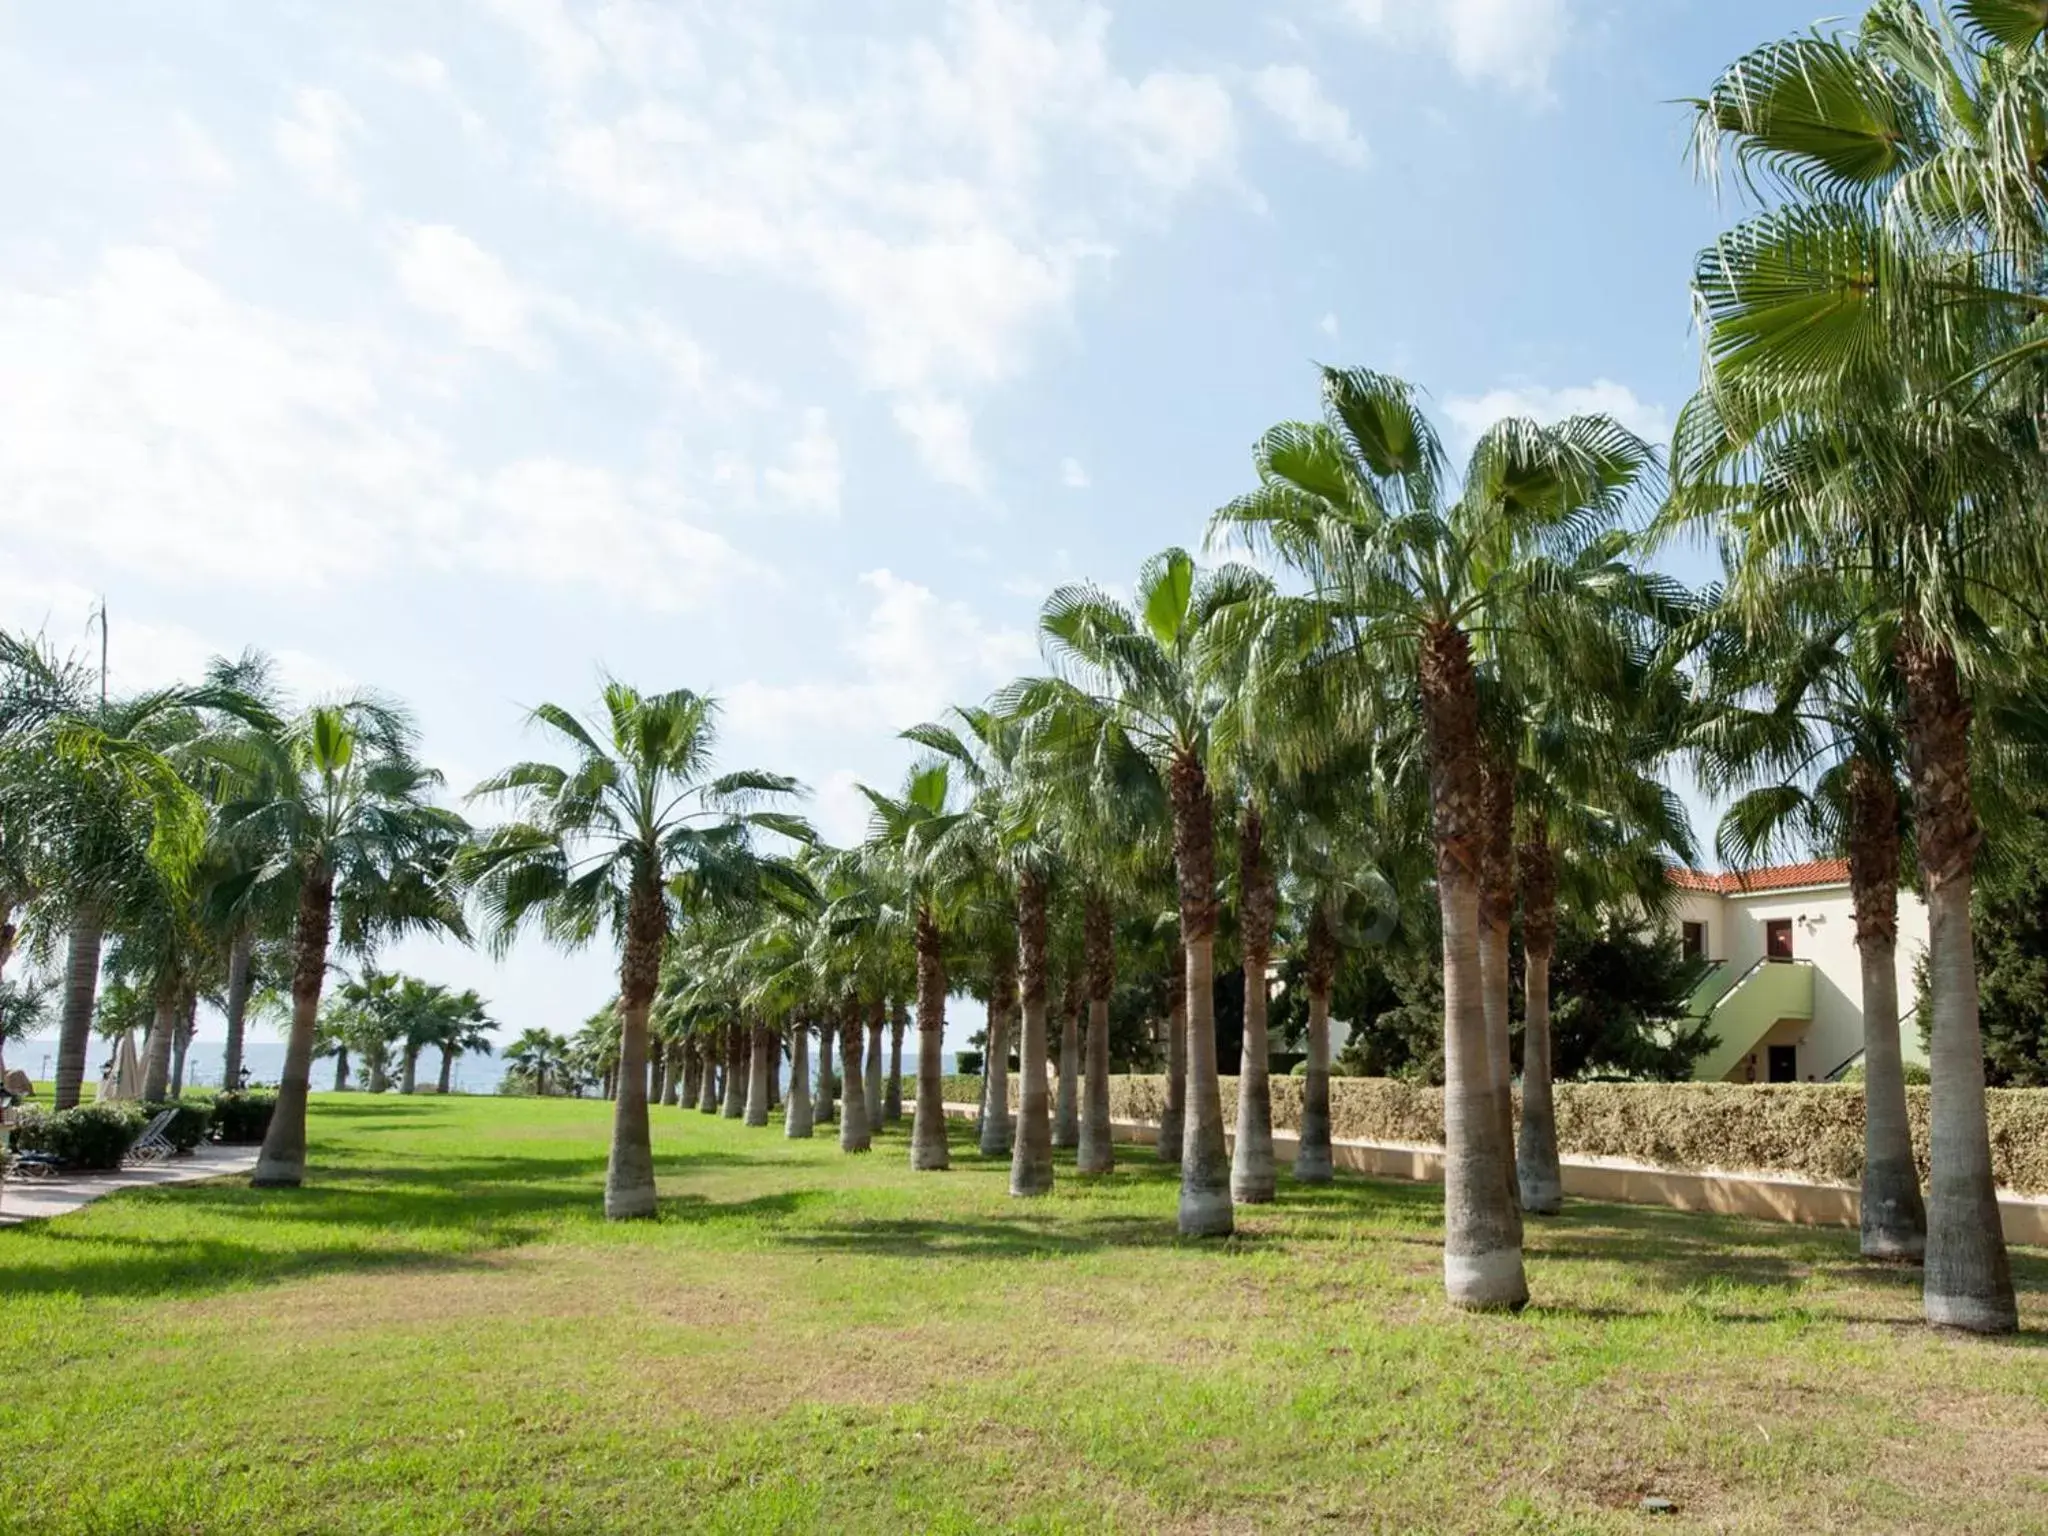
point(788, 351)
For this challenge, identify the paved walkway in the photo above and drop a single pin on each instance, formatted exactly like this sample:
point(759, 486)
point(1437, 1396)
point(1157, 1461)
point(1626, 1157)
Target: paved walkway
point(36, 1199)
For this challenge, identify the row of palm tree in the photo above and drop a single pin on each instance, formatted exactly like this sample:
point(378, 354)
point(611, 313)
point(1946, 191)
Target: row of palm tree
point(1483, 665)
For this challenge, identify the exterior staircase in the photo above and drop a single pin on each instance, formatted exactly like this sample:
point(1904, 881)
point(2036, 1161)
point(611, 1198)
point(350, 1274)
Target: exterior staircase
point(1740, 1009)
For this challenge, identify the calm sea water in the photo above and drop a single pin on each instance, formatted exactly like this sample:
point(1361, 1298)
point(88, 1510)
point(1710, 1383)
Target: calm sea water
point(479, 1072)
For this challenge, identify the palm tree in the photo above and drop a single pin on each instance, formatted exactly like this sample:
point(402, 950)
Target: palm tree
point(1832, 433)
point(341, 795)
point(931, 847)
point(1808, 719)
point(98, 816)
point(540, 1057)
point(1403, 575)
point(635, 829)
point(24, 1010)
point(1153, 672)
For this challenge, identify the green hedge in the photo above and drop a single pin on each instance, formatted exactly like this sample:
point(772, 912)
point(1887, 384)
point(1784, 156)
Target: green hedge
point(1813, 1130)
point(92, 1137)
point(242, 1119)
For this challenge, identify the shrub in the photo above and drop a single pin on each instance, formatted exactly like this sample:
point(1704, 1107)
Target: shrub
point(1809, 1130)
point(967, 1063)
point(242, 1119)
point(92, 1137)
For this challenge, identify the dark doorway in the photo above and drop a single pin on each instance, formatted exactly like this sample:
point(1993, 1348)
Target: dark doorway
point(1778, 939)
point(1692, 939)
point(1784, 1063)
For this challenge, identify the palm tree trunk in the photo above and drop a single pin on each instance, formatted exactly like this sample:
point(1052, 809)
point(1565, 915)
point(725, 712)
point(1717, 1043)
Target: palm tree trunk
point(997, 1131)
point(409, 1070)
point(878, 1016)
point(774, 1071)
point(1173, 1119)
point(1537, 1173)
point(341, 1071)
point(1968, 1276)
point(1253, 1180)
point(81, 989)
point(797, 1117)
point(156, 1069)
point(692, 1084)
point(380, 1074)
point(892, 1088)
point(1312, 1162)
point(928, 1148)
point(1496, 977)
point(1205, 1209)
point(282, 1162)
point(241, 955)
point(181, 1043)
point(1031, 1162)
point(1894, 1217)
point(853, 1111)
point(657, 1068)
point(757, 1076)
point(828, 1091)
point(1097, 1151)
point(629, 1192)
point(1482, 1229)
point(707, 1075)
point(1066, 1114)
point(671, 1073)
point(735, 1071)
point(444, 1085)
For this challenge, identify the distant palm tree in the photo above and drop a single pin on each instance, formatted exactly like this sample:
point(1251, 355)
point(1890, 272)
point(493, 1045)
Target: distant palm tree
point(539, 1056)
point(634, 828)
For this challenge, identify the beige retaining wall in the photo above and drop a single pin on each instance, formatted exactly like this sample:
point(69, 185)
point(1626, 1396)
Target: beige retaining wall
point(1764, 1197)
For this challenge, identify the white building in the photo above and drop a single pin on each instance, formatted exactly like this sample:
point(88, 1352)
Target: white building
point(1785, 995)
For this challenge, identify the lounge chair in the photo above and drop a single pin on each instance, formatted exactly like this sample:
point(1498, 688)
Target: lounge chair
point(153, 1145)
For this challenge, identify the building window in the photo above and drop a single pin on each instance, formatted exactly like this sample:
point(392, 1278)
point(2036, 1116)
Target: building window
point(1778, 938)
point(1692, 938)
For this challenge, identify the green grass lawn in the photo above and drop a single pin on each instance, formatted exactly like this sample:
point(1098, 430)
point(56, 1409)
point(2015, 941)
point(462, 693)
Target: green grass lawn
point(440, 1334)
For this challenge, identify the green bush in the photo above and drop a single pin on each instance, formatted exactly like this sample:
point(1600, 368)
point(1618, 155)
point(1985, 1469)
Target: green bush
point(92, 1137)
point(967, 1064)
point(188, 1124)
point(242, 1119)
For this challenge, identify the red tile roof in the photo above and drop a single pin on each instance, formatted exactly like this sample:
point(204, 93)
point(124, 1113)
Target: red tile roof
point(1777, 877)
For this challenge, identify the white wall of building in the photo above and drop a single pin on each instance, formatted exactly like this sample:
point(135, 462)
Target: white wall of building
point(1823, 932)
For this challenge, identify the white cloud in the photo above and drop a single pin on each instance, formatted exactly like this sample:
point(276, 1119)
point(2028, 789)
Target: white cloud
point(427, 73)
point(1074, 475)
point(1509, 42)
point(1471, 415)
point(913, 654)
point(1328, 325)
point(1295, 96)
point(315, 142)
point(448, 274)
point(155, 424)
point(948, 201)
point(943, 432)
point(199, 157)
point(142, 652)
point(809, 481)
